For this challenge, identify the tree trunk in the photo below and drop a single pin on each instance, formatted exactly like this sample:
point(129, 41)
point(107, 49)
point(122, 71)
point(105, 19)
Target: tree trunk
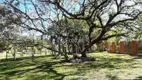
point(69, 48)
point(74, 51)
point(40, 52)
point(83, 54)
point(65, 54)
point(33, 53)
point(86, 48)
point(14, 54)
point(59, 48)
point(52, 52)
point(7, 54)
point(45, 51)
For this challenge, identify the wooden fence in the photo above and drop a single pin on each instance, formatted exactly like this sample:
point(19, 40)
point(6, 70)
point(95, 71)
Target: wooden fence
point(132, 48)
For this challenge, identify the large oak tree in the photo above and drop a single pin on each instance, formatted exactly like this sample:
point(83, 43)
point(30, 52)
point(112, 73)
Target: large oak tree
point(102, 16)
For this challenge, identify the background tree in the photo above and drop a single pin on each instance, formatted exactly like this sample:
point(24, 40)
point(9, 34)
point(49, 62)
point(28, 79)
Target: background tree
point(69, 37)
point(8, 31)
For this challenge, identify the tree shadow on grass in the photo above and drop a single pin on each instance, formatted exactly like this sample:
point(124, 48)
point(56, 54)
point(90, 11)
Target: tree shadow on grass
point(138, 78)
point(138, 57)
point(46, 67)
point(11, 64)
point(104, 63)
point(114, 63)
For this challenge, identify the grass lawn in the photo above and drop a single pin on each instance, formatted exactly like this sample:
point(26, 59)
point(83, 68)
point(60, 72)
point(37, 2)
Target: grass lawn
point(106, 67)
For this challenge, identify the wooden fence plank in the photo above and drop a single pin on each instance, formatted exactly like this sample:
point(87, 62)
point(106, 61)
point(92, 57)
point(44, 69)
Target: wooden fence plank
point(113, 47)
point(121, 47)
point(134, 47)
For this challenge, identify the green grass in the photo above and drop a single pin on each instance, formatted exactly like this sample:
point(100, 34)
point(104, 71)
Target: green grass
point(106, 67)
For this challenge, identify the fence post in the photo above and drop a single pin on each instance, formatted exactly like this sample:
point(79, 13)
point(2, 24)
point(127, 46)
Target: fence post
point(134, 47)
point(121, 47)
